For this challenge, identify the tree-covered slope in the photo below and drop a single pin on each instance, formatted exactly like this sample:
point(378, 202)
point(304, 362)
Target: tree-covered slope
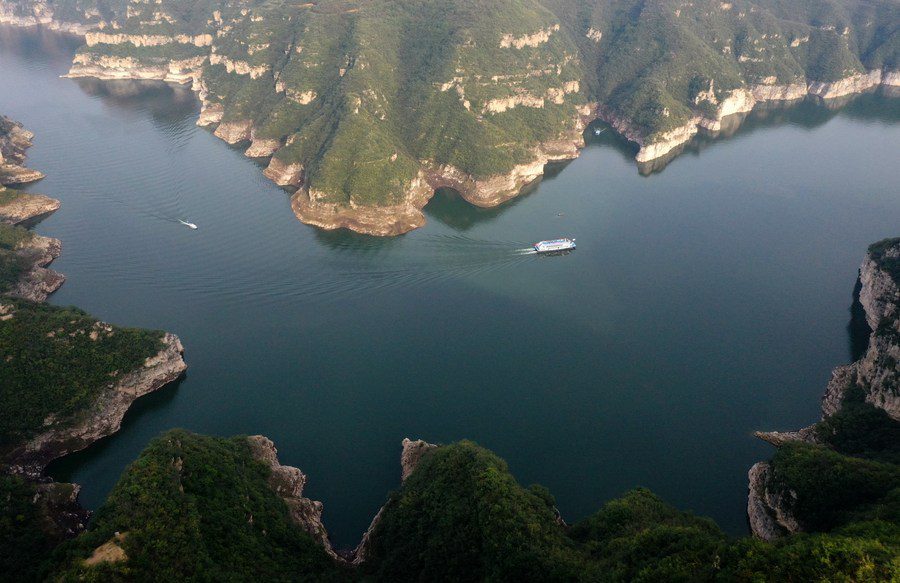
point(652, 62)
point(195, 508)
point(57, 363)
point(461, 516)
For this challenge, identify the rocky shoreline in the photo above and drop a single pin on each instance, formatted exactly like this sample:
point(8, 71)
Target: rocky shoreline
point(876, 375)
point(665, 146)
point(24, 207)
point(37, 282)
point(14, 140)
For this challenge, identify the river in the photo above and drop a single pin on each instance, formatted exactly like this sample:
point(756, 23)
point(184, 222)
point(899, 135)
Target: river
point(703, 302)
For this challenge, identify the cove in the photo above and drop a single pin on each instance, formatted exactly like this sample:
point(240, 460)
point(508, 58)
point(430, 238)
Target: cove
point(704, 301)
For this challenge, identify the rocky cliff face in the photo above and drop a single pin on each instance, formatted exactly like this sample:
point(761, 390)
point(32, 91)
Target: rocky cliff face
point(64, 436)
point(14, 140)
point(18, 207)
point(767, 510)
point(37, 282)
point(312, 207)
point(22, 207)
point(412, 453)
point(876, 375)
point(288, 483)
point(663, 145)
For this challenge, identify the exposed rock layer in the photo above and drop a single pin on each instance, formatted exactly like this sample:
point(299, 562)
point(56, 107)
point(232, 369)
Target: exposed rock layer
point(228, 42)
point(25, 207)
point(37, 282)
point(14, 140)
point(288, 483)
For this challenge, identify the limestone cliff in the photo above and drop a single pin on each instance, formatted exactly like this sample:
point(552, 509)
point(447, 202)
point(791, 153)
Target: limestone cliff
point(19, 207)
point(288, 483)
point(37, 282)
point(14, 140)
point(876, 375)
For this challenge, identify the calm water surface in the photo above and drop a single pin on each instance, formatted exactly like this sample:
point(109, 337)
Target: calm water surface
point(703, 302)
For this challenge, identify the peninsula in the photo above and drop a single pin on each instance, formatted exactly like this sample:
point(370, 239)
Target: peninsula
point(367, 108)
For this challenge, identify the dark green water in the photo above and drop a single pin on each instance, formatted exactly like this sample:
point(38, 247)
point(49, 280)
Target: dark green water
point(703, 302)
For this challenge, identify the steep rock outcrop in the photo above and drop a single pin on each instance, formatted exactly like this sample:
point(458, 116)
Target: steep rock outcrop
point(288, 483)
point(412, 453)
point(37, 282)
point(876, 375)
point(851, 85)
point(312, 208)
point(14, 140)
point(283, 173)
point(766, 510)
point(110, 67)
point(744, 100)
point(104, 417)
point(233, 132)
point(25, 207)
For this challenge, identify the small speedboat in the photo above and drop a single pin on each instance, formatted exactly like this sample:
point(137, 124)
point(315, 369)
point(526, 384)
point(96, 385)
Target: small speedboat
point(187, 224)
point(554, 245)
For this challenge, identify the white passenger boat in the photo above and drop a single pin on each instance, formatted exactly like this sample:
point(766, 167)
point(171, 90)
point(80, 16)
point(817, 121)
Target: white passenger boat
point(554, 245)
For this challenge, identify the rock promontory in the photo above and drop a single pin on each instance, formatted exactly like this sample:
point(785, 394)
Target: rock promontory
point(873, 380)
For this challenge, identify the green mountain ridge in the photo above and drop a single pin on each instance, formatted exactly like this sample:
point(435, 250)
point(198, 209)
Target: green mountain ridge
point(370, 106)
point(199, 508)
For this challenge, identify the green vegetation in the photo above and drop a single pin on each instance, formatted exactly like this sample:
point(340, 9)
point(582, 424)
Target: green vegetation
point(57, 361)
point(24, 541)
point(12, 262)
point(833, 489)
point(639, 537)
point(861, 430)
point(196, 508)
point(462, 517)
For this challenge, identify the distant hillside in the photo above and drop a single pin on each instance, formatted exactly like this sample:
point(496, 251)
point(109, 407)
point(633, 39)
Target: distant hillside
point(370, 106)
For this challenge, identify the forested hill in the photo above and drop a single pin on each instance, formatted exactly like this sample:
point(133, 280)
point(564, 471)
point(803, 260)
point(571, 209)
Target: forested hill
point(371, 105)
